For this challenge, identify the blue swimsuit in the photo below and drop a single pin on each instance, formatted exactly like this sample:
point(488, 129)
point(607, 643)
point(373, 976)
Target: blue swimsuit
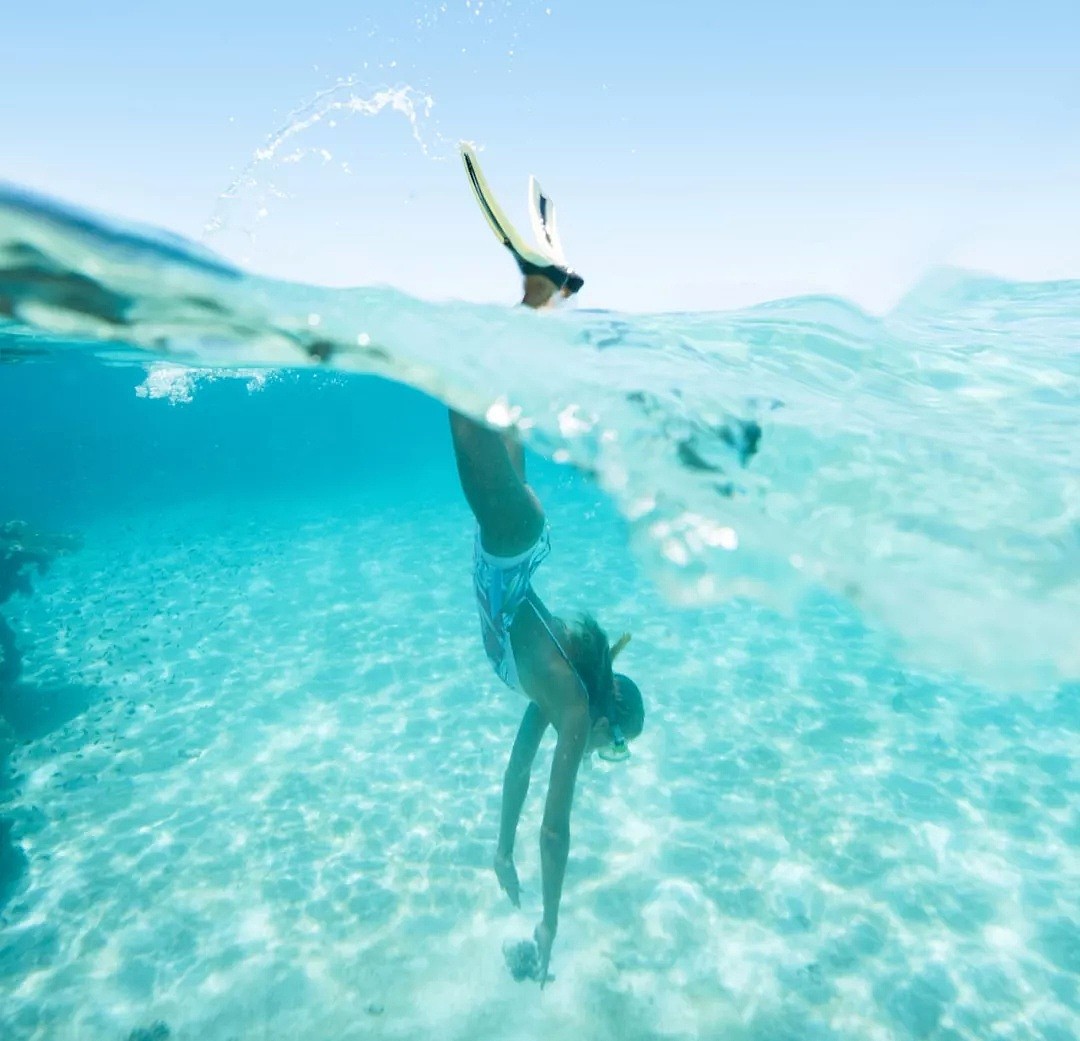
point(502, 585)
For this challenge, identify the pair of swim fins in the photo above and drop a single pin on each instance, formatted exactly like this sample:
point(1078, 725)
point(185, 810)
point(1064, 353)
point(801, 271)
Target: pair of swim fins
point(547, 258)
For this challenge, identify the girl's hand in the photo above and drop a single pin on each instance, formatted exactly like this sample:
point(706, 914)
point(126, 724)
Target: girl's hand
point(506, 873)
point(544, 936)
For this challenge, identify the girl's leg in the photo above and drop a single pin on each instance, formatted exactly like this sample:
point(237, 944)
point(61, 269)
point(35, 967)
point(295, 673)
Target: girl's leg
point(491, 468)
point(516, 451)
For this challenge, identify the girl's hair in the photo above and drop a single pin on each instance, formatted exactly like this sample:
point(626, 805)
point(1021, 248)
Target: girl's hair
point(590, 653)
point(630, 707)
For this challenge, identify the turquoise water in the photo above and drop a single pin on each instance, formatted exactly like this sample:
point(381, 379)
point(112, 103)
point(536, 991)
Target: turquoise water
point(257, 750)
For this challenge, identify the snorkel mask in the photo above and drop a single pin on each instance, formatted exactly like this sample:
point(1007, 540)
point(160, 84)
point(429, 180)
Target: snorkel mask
point(618, 751)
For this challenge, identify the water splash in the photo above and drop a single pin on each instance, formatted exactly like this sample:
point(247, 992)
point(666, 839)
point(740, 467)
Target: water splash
point(177, 383)
point(250, 199)
point(924, 465)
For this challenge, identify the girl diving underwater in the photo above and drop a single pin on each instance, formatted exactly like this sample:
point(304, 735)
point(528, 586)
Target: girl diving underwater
point(564, 668)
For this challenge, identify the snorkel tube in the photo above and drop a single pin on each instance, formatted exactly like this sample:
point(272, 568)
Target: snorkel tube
point(619, 749)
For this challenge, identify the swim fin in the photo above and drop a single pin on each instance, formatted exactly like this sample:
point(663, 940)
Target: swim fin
point(542, 215)
point(547, 259)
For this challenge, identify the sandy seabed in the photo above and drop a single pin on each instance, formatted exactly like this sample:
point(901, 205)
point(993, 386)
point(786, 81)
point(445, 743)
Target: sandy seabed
point(274, 816)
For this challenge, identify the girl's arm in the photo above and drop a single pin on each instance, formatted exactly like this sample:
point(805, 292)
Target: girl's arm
point(515, 787)
point(555, 830)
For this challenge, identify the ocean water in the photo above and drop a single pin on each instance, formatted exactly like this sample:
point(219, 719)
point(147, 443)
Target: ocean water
point(255, 750)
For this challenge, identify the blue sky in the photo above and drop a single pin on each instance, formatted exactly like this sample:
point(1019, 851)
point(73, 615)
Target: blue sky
point(703, 155)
